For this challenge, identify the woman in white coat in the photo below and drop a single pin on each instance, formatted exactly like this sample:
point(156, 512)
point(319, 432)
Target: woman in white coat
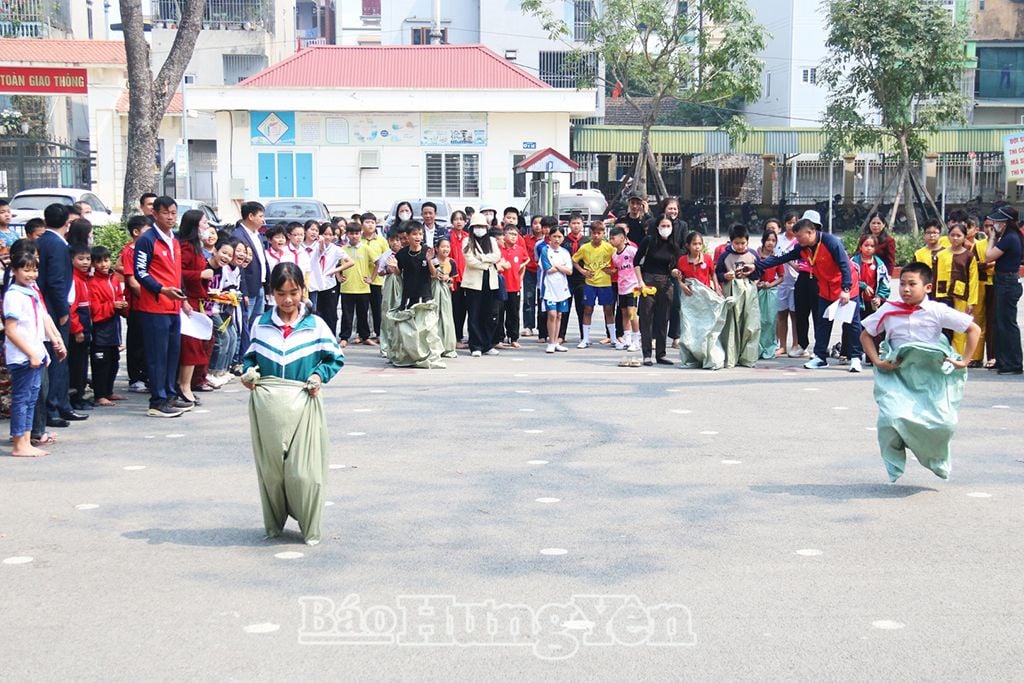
point(480, 282)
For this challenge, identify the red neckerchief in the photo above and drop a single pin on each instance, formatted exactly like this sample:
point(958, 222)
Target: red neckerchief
point(898, 308)
point(286, 330)
point(273, 255)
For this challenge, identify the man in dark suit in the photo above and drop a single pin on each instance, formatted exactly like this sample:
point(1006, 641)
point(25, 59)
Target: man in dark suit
point(256, 274)
point(55, 283)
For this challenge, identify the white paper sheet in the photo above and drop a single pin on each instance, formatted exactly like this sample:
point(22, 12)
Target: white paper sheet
point(841, 314)
point(197, 325)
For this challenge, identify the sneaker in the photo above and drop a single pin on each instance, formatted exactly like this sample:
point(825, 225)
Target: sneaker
point(634, 362)
point(796, 352)
point(137, 388)
point(620, 346)
point(492, 352)
point(560, 348)
point(164, 410)
point(583, 345)
point(476, 354)
point(550, 348)
point(843, 360)
point(181, 404)
point(816, 364)
point(635, 346)
point(855, 365)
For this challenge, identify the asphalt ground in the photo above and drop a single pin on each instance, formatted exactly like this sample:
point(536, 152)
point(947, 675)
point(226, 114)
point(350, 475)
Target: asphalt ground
point(526, 517)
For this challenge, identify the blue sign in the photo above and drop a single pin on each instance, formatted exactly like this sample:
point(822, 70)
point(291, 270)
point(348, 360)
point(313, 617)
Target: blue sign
point(272, 127)
point(529, 145)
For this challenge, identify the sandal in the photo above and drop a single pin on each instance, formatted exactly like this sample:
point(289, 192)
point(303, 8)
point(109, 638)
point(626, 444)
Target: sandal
point(634, 362)
point(974, 364)
point(624, 362)
point(991, 365)
point(46, 439)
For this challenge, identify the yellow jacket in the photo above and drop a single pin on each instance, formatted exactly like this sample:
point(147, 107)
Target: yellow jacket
point(941, 263)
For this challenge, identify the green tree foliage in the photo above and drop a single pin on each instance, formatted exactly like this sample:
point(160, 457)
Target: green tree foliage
point(706, 54)
point(893, 72)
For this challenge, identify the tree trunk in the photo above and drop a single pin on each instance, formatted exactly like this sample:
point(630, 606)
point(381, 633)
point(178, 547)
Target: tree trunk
point(148, 98)
point(874, 207)
point(908, 193)
point(897, 199)
point(640, 168)
point(659, 182)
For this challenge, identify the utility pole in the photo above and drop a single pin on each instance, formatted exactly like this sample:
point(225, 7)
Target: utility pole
point(435, 25)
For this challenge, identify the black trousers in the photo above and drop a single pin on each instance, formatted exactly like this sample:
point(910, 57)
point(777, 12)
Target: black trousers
point(376, 296)
point(576, 287)
point(482, 312)
point(805, 299)
point(105, 362)
point(654, 314)
point(354, 308)
point(673, 314)
point(135, 349)
point(508, 318)
point(327, 308)
point(1008, 348)
point(459, 313)
point(78, 368)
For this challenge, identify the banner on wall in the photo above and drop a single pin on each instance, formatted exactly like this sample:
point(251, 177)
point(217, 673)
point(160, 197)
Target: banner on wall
point(454, 130)
point(272, 127)
point(1013, 156)
point(286, 128)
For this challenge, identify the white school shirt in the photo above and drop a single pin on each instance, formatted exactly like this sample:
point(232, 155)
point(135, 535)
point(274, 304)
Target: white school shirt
point(924, 325)
point(300, 257)
point(325, 259)
point(25, 306)
point(556, 285)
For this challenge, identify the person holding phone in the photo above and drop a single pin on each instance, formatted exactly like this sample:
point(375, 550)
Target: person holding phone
point(158, 270)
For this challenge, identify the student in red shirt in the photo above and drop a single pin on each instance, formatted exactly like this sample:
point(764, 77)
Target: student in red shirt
point(513, 252)
point(135, 351)
point(458, 236)
point(107, 305)
point(81, 327)
point(696, 264)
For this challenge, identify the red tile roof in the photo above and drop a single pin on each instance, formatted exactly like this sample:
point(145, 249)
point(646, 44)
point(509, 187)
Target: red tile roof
point(455, 67)
point(70, 52)
point(173, 108)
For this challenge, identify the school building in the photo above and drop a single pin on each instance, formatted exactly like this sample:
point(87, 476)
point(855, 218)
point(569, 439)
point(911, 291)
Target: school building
point(362, 127)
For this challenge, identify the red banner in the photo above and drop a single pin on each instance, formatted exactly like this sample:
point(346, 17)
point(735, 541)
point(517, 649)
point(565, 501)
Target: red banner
point(51, 81)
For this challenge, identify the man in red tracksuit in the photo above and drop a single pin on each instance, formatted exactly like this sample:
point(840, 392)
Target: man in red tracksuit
point(830, 268)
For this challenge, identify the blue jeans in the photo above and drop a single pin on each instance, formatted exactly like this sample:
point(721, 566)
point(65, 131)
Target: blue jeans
point(25, 383)
point(57, 399)
point(257, 305)
point(161, 333)
point(224, 344)
point(823, 329)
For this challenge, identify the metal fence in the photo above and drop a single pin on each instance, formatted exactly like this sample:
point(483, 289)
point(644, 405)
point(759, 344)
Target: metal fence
point(27, 163)
point(33, 18)
point(225, 14)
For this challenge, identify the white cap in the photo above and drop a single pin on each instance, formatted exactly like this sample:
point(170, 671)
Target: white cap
point(812, 216)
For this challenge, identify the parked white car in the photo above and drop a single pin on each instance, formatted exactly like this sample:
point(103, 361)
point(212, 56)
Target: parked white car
point(30, 204)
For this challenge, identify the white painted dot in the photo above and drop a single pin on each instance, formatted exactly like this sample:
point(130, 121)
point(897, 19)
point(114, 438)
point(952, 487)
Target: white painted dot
point(523, 391)
point(357, 434)
point(231, 391)
point(134, 468)
point(378, 391)
point(680, 411)
point(18, 560)
point(262, 628)
point(86, 506)
point(536, 462)
point(673, 391)
point(732, 462)
point(175, 436)
point(337, 467)
point(204, 411)
point(328, 503)
point(577, 625)
point(708, 433)
point(871, 429)
point(534, 431)
point(527, 410)
point(520, 374)
point(888, 625)
point(1001, 407)
point(517, 360)
point(289, 555)
point(839, 408)
point(362, 410)
point(554, 551)
point(811, 389)
point(809, 552)
point(979, 494)
point(149, 436)
point(548, 500)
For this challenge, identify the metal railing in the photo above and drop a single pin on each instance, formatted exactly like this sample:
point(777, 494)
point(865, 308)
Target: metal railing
point(33, 18)
point(223, 14)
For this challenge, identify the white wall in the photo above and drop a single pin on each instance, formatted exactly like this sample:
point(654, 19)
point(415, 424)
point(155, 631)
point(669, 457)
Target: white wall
point(460, 17)
point(340, 184)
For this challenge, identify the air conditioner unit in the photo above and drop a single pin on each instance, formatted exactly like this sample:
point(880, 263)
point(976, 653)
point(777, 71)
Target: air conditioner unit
point(369, 158)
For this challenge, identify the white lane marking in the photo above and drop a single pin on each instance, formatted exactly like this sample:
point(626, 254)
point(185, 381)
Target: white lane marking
point(356, 434)
point(378, 391)
point(523, 391)
point(548, 500)
point(362, 410)
point(201, 412)
point(134, 468)
point(709, 433)
point(840, 408)
point(262, 628)
point(536, 462)
point(979, 494)
point(289, 555)
point(732, 462)
point(86, 506)
point(888, 625)
point(534, 431)
point(337, 467)
point(553, 551)
point(680, 411)
point(527, 410)
point(809, 552)
point(17, 560)
point(174, 436)
point(328, 503)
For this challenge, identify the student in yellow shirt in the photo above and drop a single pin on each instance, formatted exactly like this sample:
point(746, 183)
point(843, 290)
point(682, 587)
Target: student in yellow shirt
point(593, 261)
point(934, 255)
point(376, 245)
point(355, 288)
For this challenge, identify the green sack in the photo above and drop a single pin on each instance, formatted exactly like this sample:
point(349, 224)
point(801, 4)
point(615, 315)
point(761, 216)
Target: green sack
point(917, 406)
point(445, 320)
point(768, 303)
point(289, 443)
point(701, 319)
point(415, 342)
point(742, 330)
point(391, 299)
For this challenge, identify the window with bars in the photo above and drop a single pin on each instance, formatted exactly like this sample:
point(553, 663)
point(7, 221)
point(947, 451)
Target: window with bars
point(565, 70)
point(421, 36)
point(583, 12)
point(810, 76)
point(237, 68)
point(453, 175)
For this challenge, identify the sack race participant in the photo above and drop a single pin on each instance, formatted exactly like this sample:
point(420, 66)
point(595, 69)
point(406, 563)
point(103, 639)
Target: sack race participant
point(919, 380)
point(702, 317)
point(416, 342)
point(441, 288)
point(292, 353)
point(742, 331)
